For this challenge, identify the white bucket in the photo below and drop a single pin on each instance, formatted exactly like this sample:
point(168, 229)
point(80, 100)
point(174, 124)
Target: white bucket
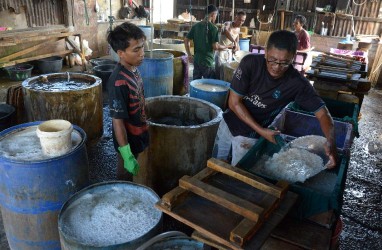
point(55, 137)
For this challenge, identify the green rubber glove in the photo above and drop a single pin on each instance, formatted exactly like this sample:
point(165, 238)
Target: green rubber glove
point(129, 161)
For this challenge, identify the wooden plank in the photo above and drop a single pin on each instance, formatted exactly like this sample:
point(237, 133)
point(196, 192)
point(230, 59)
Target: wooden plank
point(246, 177)
point(262, 234)
point(202, 238)
point(272, 244)
point(225, 199)
point(43, 37)
point(26, 51)
point(243, 232)
point(177, 195)
point(334, 69)
point(303, 234)
point(247, 228)
point(208, 233)
point(65, 52)
point(35, 31)
point(5, 43)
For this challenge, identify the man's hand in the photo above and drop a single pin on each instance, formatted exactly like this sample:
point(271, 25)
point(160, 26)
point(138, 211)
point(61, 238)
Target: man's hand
point(191, 59)
point(331, 152)
point(129, 161)
point(270, 134)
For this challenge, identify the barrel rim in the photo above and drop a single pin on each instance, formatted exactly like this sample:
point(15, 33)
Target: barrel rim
point(178, 240)
point(107, 66)
point(217, 119)
point(169, 55)
point(50, 59)
point(159, 41)
point(76, 195)
point(212, 82)
point(29, 124)
point(167, 51)
point(25, 83)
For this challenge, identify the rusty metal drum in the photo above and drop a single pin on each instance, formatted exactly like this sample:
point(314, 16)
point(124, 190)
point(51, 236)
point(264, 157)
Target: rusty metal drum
point(75, 97)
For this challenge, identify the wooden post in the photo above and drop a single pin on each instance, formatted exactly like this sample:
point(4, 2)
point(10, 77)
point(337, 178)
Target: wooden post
point(282, 19)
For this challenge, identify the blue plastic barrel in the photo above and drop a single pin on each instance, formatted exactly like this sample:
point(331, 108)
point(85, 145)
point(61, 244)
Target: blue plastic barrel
point(157, 73)
point(211, 90)
point(244, 44)
point(33, 192)
point(147, 30)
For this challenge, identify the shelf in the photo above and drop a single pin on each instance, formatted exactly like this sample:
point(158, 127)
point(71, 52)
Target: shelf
point(46, 39)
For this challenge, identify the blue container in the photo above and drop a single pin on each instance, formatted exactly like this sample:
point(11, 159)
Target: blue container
point(244, 44)
point(147, 30)
point(32, 192)
point(157, 73)
point(201, 88)
point(294, 124)
point(313, 199)
point(340, 111)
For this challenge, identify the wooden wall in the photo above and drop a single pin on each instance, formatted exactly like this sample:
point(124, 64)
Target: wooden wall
point(343, 17)
point(38, 13)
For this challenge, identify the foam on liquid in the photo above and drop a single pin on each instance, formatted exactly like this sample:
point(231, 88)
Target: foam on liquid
point(114, 216)
point(210, 87)
point(56, 85)
point(24, 145)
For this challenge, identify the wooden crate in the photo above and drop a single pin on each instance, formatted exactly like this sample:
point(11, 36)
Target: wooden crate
point(228, 205)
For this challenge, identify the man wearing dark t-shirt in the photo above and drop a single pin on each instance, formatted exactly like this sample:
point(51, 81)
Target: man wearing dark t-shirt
point(205, 36)
point(126, 99)
point(262, 85)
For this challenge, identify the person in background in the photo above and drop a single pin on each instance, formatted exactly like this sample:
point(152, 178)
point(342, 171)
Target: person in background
point(302, 35)
point(229, 37)
point(126, 98)
point(261, 87)
point(205, 37)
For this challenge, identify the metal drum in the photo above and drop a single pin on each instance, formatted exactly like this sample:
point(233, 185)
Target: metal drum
point(182, 133)
point(75, 97)
point(109, 215)
point(168, 43)
point(172, 240)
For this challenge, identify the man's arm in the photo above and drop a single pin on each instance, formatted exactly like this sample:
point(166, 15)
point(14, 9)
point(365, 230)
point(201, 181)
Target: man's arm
point(218, 46)
point(120, 132)
point(226, 32)
point(327, 127)
point(235, 103)
point(188, 51)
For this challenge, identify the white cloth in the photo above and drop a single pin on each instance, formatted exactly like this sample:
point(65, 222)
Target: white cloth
point(225, 143)
point(240, 147)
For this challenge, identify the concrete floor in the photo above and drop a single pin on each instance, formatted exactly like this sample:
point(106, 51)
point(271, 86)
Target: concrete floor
point(362, 211)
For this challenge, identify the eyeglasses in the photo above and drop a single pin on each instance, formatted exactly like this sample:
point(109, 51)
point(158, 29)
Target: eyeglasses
point(282, 65)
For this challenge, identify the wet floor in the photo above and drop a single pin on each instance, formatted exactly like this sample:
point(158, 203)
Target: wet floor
point(362, 208)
